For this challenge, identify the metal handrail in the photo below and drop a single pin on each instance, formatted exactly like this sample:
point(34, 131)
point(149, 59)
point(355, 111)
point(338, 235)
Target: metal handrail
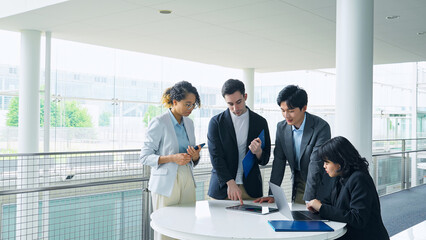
point(397, 139)
point(65, 153)
point(393, 153)
point(99, 183)
point(71, 186)
point(205, 171)
point(137, 150)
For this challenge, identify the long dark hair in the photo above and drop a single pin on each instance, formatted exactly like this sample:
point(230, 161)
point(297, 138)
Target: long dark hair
point(179, 92)
point(340, 150)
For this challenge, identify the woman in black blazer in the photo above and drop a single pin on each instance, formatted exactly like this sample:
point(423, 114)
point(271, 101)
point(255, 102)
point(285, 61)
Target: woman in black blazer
point(354, 199)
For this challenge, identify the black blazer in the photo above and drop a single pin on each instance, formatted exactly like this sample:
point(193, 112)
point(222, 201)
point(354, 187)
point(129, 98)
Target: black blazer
point(354, 200)
point(315, 133)
point(222, 143)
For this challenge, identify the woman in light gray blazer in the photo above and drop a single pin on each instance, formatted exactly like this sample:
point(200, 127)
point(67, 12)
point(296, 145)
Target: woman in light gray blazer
point(168, 149)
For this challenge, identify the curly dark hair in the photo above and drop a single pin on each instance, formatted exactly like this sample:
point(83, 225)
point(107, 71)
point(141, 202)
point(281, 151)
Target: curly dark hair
point(179, 92)
point(294, 96)
point(340, 150)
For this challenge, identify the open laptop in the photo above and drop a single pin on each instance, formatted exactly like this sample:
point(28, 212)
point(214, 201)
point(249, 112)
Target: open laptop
point(284, 209)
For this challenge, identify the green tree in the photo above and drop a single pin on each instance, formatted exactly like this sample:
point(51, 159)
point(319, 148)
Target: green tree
point(104, 119)
point(73, 115)
point(151, 113)
point(12, 115)
point(54, 114)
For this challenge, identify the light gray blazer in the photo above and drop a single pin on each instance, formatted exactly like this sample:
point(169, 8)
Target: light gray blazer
point(161, 140)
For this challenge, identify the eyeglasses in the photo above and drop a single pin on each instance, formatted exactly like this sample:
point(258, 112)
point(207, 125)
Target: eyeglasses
point(191, 106)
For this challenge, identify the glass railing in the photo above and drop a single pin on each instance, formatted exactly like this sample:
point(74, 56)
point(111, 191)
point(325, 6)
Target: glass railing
point(398, 164)
point(103, 194)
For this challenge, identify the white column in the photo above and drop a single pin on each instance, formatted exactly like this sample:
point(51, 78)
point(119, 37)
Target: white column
point(29, 123)
point(414, 103)
point(46, 124)
point(29, 109)
point(354, 65)
point(46, 128)
point(248, 79)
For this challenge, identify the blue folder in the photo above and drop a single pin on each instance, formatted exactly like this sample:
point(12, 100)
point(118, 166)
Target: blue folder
point(248, 160)
point(299, 226)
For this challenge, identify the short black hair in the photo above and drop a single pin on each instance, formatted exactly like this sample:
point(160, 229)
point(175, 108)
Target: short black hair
point(340, 150)
point(231, 86)
point(294, 96)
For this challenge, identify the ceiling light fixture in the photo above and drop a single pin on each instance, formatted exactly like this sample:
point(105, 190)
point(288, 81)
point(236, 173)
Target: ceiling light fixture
point(165, 11)
point(421, 33)
point(392, 17)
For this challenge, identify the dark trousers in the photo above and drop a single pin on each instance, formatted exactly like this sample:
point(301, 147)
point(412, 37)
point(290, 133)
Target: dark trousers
point(298, 188)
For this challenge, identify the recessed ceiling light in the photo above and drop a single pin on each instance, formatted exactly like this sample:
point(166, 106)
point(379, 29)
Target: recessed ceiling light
point(165, 11)
point(392, 17)
point(421, 33)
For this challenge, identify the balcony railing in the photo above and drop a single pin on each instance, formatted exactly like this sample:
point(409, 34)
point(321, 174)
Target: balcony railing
point(102, 194)
point(398, 164)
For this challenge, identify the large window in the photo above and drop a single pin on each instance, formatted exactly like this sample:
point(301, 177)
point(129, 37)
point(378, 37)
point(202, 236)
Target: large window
point(120, 91)
point(9, 61)
point(103, 98)
point(394, 86)
point(319, 84)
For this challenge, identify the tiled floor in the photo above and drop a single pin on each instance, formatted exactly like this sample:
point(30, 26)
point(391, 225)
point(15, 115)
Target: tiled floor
point(417, 232)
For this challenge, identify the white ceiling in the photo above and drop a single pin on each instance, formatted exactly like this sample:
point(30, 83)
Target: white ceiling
point(268, 35)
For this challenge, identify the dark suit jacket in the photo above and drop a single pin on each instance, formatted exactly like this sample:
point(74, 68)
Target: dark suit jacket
point(356, 203)
point(223, 149)
point(315, 133)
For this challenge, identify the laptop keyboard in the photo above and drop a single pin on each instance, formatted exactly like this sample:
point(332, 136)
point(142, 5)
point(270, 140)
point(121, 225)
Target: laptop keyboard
point(305, 215)
point(299, 216)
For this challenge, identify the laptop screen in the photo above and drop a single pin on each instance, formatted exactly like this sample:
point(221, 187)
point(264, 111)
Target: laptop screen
point(281, 201)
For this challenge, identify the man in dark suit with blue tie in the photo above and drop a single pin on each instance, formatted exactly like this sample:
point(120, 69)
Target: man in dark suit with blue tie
point(230, 135)
point(297, 139)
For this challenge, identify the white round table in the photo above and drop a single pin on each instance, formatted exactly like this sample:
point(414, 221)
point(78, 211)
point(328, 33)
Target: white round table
point(210, 220)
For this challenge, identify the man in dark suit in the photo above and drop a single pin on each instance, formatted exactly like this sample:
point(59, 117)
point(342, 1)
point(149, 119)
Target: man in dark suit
point(230, 135)
point(297, 139)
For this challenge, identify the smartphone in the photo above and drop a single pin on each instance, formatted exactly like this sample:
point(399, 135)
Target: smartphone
point(201, 145)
